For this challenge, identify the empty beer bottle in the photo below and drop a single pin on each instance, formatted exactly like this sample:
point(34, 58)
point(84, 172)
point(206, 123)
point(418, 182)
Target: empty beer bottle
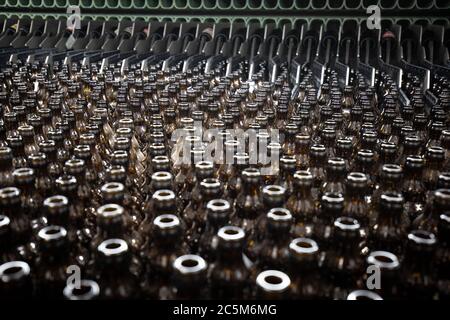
point(229, 275)
point(303, 266)
point(164, 245)
point(115, 271)
point(189, 279)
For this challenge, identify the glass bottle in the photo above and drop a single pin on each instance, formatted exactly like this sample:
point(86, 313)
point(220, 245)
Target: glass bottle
point(335, 176)
point(114, 192)
point(317, 161)
point(116, 275)
point(443, 256)
point(273, 285)
point(413, 188)
point(389, 267)
point(303, 266)
point(435, 157)
point(6, 167)
point(20, 222)
point(218, 215)
point(164, 245)
point(303, 142)
point(229, 275)
point(355, 202)
point(419, 274)
point(16, 281)
point(54, 257)
point(429, 219)
point(344, 261)
point(392, 224)
point(248, 203)
point(301, 203)
point(286, 177)
point(189, 279)
point(268, 246)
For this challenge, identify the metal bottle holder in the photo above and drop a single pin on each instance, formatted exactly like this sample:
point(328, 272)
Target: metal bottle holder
point(269, 49)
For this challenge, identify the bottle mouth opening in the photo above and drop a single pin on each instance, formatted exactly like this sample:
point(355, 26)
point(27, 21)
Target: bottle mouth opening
point(190, 264)
point(204, 165)
point(303, 175)
point(161, 175)
point(66, 180)
point(51, 233)
point(74, 163)
point(231, 233)
point(383, 259)
point(422, 237)
point(274, 190)
point(392, 168)
point(210, 183)
point(87, 289)
point(218, 205)
point(357, 177)
point(304, 246)
point(279, 214)
point(56, 201)
point(392, 198)
point(164, 195)
point(166, 221)
point(273, 281)
point(110, 210)
point(9, 192)
point(363, 295)
point(161, 159)
point(14, 270)
point(347, 224)
point(112, 247)
point(332, 197)
point(113, 187)
point(23, 172)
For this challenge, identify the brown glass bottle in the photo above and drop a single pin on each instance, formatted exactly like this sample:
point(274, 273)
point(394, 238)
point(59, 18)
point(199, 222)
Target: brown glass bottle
point(335, 176)
point(344, 261)
point(54, 257)
point(218, 215)
point(16, 281)
point(6, 167)
point(317, 162)
point(164, 245)
point(229, 275)
point(418, 272)
point(413, 188)
point(392, 224)
point(304, 269)
point(355, 203)
point(268, 246)
point(189, 279)
point(435, 157)
point(20, 224)
point(443, 256)
point(388, 264)
point(115, 272)
point(273, 285)
point(429, 219)
point(248, 203)
point(302, 204)
point(114, 192)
